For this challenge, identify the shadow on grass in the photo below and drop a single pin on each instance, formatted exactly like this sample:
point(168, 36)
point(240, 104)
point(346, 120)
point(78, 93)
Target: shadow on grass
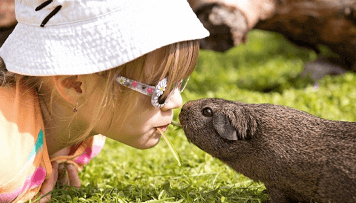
point(279, 84)
point(293, 82)
point(274, 46)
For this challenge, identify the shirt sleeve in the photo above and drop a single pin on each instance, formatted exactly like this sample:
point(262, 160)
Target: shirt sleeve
point(25, 183)
point(24, 160)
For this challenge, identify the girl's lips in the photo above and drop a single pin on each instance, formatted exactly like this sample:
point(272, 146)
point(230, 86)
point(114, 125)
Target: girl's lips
point(164, 127)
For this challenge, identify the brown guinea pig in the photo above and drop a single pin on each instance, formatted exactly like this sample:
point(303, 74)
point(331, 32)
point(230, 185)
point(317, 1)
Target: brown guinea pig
point(299, 157)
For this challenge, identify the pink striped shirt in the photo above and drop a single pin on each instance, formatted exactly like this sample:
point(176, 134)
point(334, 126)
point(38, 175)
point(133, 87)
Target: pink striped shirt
point(24, 159)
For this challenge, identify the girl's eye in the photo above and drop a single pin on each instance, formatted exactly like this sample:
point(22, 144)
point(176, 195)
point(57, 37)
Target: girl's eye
point(207, 112)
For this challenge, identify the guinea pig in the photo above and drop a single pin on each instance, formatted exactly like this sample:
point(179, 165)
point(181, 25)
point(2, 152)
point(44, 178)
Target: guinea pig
point(299, 157)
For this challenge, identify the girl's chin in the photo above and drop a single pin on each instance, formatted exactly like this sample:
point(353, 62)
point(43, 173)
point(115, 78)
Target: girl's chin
point(150, 142)
point(148, 145)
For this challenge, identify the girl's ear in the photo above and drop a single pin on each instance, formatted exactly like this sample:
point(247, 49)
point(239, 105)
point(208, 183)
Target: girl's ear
point(69, 87)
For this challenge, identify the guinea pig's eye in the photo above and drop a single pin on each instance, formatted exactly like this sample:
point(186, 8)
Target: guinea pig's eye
point(207, 112)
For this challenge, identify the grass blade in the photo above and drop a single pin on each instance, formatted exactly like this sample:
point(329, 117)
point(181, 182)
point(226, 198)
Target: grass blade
point(175, 154)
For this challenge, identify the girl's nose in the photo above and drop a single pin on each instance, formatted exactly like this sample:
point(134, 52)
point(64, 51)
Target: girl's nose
point(175, 101)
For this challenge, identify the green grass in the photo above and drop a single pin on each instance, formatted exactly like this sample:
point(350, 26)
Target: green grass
point(265, 70)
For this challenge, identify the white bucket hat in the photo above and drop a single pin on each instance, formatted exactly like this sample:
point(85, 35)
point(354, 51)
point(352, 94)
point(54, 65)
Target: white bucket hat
point(69, 37)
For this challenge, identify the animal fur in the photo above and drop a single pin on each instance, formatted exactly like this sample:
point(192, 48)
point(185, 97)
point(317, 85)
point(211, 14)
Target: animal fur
point(299, 157)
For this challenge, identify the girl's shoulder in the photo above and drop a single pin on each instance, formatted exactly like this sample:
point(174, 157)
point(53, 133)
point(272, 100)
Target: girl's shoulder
point(22, 145)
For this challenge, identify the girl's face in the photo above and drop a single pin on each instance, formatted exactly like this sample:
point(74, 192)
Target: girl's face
point(137, 125)
point(139, 128)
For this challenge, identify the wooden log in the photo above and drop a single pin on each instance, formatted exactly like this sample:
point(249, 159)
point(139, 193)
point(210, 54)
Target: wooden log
point(7, 19)
point(229, 20)
point(311, 23)
point(307, 23)
point(7, 13)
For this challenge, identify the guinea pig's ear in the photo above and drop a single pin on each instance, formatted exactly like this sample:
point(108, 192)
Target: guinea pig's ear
point(222, 125)
point(245, 123)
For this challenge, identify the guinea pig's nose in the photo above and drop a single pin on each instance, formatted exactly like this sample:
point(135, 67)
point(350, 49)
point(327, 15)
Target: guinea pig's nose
point(184, 112)
point(186, 106)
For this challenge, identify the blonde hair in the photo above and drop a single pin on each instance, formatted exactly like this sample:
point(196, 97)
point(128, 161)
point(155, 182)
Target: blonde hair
point(175, 61)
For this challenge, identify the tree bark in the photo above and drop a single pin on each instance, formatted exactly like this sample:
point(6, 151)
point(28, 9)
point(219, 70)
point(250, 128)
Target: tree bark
point(312, 23)
point(307, 23)
point(229, 20)
point(7, 19)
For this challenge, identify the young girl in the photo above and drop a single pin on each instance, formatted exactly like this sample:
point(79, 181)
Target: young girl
point(73, 71)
